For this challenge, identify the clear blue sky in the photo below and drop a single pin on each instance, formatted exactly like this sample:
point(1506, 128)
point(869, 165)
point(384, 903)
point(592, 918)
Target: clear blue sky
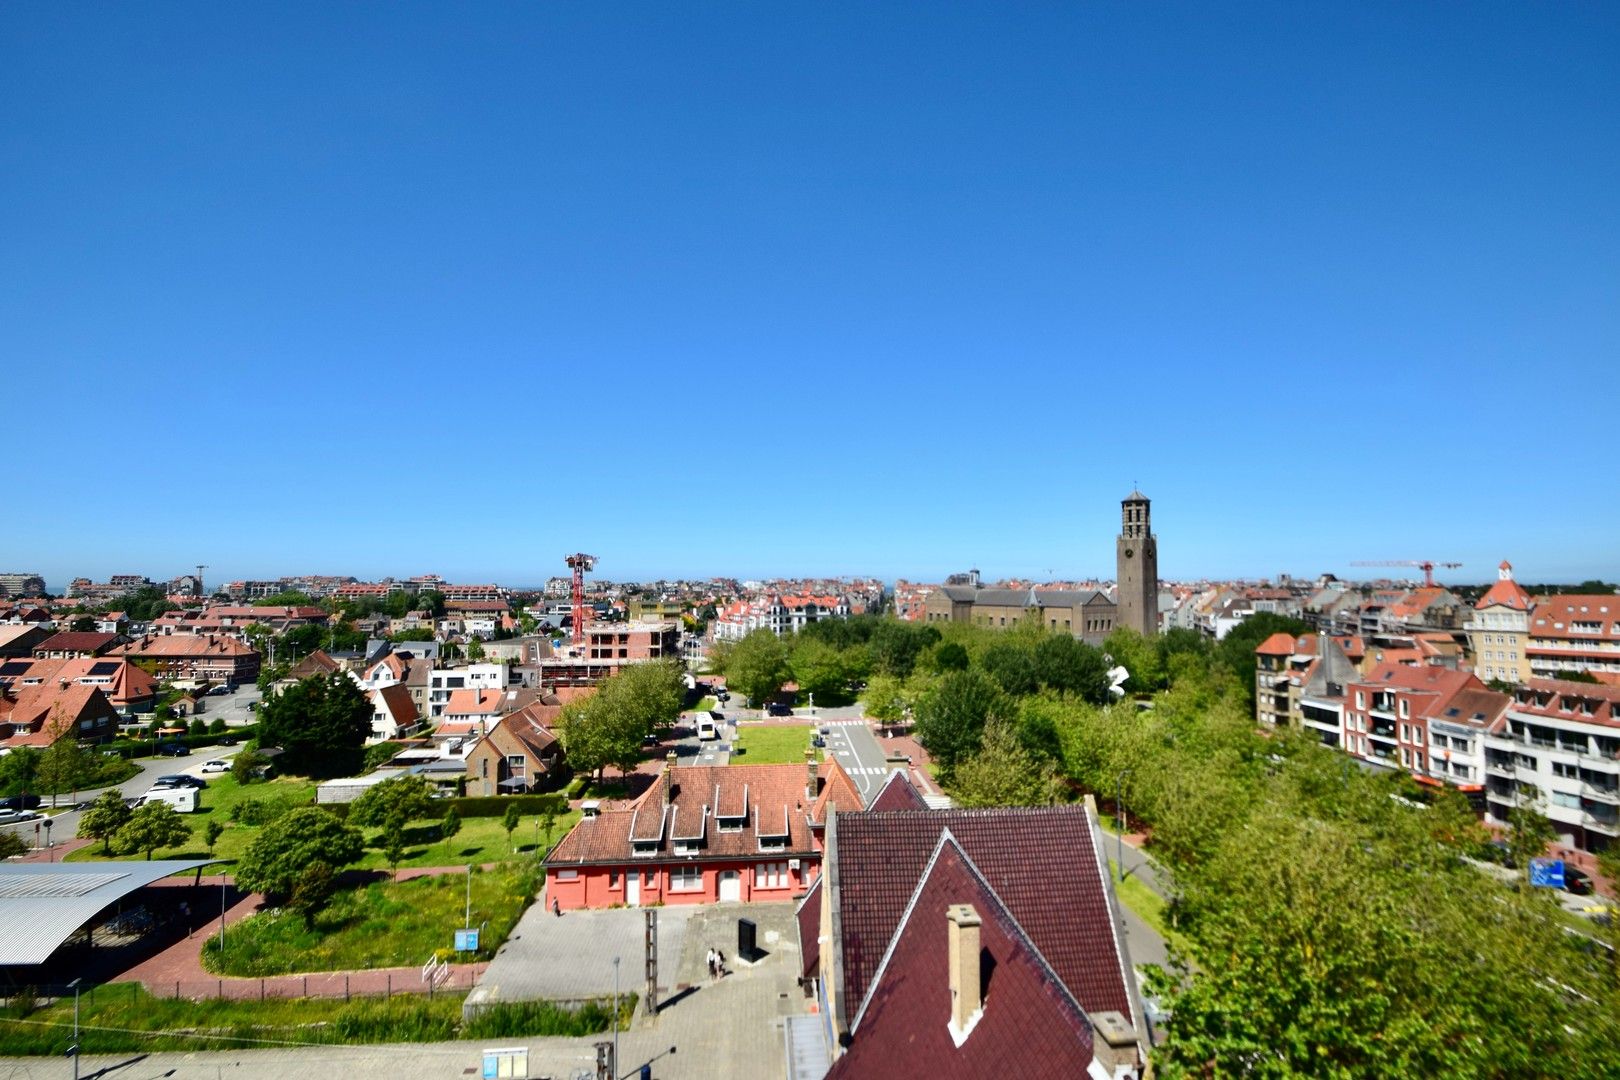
point(823, 288)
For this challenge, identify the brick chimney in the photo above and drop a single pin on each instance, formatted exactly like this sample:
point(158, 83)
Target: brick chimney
point(667, 781)
point(810, 791)
point(963, 945)
point(1114, 1046)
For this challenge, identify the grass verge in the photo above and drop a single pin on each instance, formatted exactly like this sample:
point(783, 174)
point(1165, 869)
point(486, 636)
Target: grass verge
point(1148, 906)
point(124, 1018)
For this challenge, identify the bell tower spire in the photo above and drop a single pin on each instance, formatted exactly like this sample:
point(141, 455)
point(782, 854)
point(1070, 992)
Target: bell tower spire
point(1136, 555)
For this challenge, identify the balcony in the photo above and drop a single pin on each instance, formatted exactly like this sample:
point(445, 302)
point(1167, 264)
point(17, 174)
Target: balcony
point(1602, 792)
point(1606, 823)
point(1500, 768)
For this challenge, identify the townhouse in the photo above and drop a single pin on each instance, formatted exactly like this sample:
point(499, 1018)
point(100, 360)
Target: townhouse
point(40, 715)
point(130, 690)
point(1575, 633)
point(520, 753)
point(703, 834)
point(193, 657)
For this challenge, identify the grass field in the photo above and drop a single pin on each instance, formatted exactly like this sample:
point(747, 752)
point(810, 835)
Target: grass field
point(124, 1018)
point(385, 924)
point(772, 745)
point(481, 840)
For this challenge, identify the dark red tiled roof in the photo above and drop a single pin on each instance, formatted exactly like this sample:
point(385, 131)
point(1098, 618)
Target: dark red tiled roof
point(808, 915)
point(1030, 1027)
point(898, 794)
point(77, 641)
point(1041, 862)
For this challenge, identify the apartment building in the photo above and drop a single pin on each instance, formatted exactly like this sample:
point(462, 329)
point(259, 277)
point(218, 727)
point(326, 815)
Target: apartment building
point(1285, 666)
point(195, 657)
point(1559, 751)
point(1575, 633)
point(1499, 630)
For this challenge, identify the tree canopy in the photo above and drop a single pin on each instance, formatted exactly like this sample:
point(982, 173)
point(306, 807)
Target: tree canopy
point(102, 819)
point(290, 843)
point(402, 799)
point(758, 666)
point(610, 726)
point(320, 723)
point(951, 717)
point(152, 826)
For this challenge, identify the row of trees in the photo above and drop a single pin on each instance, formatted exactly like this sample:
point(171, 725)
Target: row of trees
point(1325, 928)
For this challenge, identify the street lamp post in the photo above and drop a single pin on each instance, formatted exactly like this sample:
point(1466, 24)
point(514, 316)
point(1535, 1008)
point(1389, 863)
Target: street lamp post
point(615, 1017)
point(49, 848)
point(1119, 804)
point(74, 986)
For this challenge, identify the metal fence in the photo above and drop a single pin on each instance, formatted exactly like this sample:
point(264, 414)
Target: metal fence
point(333, 986)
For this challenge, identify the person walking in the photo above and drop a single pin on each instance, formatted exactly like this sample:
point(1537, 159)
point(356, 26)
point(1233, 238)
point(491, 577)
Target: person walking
point(712, 964)
point(556, 908)
point(719, 964)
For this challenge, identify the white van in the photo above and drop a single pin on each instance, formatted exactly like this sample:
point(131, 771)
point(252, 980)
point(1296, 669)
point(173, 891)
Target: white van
point(706, 729)
point(183, 799)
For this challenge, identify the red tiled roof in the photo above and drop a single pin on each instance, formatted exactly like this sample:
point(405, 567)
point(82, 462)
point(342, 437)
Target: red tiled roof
point(837, 790)
point(76, 641)
point(774, 791)
point(1505, 593)
point(808, 916)
point(1555, 616)
point(1278, 644)
point(1041, 862)
point(1030, 1026)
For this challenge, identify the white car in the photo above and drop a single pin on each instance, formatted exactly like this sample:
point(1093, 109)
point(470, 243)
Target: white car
point(216, 766)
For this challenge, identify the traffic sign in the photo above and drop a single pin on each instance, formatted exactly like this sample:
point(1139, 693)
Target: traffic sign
point(1547, 873)
point(467, 940)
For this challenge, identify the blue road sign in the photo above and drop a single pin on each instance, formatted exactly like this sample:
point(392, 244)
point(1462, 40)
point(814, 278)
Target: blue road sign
point(1547, 873)
point(467, 940)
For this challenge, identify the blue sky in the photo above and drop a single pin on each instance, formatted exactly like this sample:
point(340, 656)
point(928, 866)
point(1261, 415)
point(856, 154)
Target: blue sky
point(821, 288)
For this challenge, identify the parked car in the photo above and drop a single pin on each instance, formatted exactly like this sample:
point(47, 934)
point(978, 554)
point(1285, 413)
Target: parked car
point(1577, 882)
point(229, 740)
point(222, 689)
point(177, 780)
point(216, 766)
point(174, 749)
point(776, 708)
point(818, 741)
point(11, 817)
point(721, 695)
point(19, 802)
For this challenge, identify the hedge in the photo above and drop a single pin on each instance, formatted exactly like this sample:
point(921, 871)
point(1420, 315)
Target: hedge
point(495, 805)
point(131, 748)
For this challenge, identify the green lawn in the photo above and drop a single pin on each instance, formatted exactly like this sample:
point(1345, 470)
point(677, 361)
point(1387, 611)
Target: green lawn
point(481, 840)
point(116, 1019)
point(385, 924)
point(705, 705)
point(772, 745)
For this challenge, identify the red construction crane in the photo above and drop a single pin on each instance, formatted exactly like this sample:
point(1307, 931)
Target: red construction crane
point(1426, 565)
point(580, 563)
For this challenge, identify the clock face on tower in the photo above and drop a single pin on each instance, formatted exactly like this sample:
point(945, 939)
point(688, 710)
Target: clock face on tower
point(1129, 553)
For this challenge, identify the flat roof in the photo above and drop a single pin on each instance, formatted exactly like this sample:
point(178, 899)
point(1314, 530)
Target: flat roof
point(49, 901)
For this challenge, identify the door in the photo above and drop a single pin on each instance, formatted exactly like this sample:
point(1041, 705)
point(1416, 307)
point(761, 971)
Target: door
point(632, 887)
point(730, 885)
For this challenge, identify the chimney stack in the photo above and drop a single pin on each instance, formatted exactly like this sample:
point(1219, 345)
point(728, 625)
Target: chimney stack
point(810, 791)
point(1114, 1045)
point(963, 947)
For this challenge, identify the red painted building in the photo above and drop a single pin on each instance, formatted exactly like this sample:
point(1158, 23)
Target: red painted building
point(703, 834)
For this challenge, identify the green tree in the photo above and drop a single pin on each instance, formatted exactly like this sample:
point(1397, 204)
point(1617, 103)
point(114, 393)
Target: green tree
point(245, 767)
point(1236, 649)
point(949, 656)
point(321, 724)
point(896, 645)
point(885, 699)
point(1530, 834)
point(84, 624)
point(510, 821)
point(1069, 666)
point(64, 766)
point(102, 819)
point(152, 826)
point(1012, 664)
point(393, 840)
point(211, 834)
point(19, 771)
point(403, 798)
point(287, 844)
point(548, 820)
point(1002, 773)
point(449, 826)
point(12, 844)
point(818, 668)
point(475, 648)
point(312, 891)
point(951, 717)
point(758, 666)
point(610, 726)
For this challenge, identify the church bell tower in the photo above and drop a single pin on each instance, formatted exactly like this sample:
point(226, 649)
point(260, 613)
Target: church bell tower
point(1137, 560)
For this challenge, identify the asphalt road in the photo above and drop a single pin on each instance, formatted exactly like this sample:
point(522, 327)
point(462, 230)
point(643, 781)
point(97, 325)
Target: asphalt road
point(852, 743)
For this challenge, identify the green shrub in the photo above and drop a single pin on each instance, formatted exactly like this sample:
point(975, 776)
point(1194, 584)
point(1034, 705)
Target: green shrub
point(539, 1018)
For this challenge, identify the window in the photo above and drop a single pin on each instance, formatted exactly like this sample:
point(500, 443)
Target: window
point(1406, 707)
point(567, 875)
point(772, 875)
point(686, 879)
point(1418, 759)
point(1361, 700)
point(613, 879)
point(1565, 799)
